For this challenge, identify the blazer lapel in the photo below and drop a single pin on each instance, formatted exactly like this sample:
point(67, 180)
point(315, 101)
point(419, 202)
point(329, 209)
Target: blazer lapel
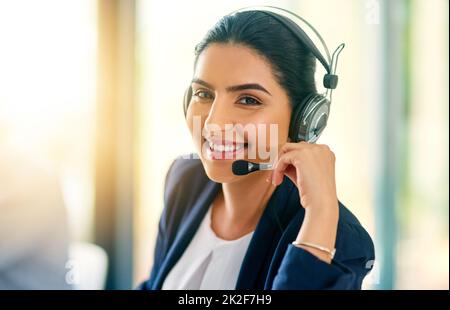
point(265, 239)
point(187, 230)
point(288, 236)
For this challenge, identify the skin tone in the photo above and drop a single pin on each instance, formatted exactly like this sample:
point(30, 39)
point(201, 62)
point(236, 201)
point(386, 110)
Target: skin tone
point(311, 167)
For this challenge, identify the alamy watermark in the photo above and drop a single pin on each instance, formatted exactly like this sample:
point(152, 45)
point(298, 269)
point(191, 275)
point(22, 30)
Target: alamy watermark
point(372, 16)
point(262, 139)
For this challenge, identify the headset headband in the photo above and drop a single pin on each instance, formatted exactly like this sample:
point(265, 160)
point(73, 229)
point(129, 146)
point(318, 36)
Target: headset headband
point(330, 79)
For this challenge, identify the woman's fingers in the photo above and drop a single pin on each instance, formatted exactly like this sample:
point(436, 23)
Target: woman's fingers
point(282, 164)
point(286, 159)
point(289, 146)
point(289, 155)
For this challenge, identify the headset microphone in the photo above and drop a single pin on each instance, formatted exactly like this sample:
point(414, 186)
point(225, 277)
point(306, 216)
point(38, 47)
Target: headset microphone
point(243, 167)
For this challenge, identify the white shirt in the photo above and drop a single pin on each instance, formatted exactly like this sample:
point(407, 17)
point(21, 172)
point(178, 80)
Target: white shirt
point(209, 262)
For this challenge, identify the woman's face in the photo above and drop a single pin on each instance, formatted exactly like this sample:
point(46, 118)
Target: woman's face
point(237, 110)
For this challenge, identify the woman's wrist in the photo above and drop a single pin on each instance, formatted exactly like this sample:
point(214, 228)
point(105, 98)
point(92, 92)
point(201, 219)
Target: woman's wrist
point(324, 203)
point(319, 227)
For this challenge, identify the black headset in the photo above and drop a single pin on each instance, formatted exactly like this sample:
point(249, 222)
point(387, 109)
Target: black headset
point(309, 118)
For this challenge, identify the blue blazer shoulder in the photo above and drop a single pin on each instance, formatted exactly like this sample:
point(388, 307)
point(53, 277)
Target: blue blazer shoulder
point(271, 261)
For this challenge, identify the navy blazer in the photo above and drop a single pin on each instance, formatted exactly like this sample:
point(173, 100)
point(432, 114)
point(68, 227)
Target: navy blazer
point(271, 261)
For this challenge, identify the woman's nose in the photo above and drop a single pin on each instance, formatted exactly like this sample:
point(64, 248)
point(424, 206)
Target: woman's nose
point(219, 114)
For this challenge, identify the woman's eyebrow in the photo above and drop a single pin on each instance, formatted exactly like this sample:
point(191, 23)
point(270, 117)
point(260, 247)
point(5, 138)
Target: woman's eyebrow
point(247, 86)
point(201, 82)
point(234, 88)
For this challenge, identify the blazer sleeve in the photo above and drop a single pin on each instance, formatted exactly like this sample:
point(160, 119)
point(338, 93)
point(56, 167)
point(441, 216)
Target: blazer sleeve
point(301, 270)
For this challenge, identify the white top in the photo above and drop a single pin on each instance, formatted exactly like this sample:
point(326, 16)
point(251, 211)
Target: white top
point(209, 262)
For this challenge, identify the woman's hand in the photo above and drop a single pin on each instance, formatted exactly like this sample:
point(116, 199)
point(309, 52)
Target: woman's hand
point(311, 167)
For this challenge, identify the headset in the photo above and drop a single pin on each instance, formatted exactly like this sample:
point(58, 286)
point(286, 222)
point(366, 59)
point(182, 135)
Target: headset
point(310, 117)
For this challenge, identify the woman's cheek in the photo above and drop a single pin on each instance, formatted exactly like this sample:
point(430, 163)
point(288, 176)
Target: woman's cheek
point(192, 130)
point(258, 136)
point(276, 138)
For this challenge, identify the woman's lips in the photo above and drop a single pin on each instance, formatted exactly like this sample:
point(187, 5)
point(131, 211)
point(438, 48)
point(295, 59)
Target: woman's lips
point(220, 150)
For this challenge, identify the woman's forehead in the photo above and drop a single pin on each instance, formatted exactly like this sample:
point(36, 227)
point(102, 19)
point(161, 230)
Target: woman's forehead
point(229, 64)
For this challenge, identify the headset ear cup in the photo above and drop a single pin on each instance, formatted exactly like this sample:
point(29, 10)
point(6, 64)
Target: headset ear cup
point(187, 99)
point(294, 127)
point(310, 121)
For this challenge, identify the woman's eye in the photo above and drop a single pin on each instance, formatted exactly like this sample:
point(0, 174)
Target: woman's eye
point(203, 94)
point(249, 101)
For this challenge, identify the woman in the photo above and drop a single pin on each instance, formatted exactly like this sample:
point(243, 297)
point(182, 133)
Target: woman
point(273, 229)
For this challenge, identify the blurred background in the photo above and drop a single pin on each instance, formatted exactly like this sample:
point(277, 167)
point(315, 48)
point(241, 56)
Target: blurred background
point(91, 118)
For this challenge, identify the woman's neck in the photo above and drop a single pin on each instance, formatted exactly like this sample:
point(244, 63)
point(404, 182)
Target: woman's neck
point(239, 205)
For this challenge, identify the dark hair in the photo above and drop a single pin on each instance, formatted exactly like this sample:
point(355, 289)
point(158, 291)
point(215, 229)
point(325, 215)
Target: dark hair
point(293, 65)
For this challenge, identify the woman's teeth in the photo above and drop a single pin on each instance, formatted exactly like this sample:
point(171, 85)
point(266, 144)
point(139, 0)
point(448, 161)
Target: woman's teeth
point(225, 147)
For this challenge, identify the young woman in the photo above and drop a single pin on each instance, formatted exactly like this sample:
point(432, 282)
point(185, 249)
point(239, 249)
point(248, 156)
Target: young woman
point(275, 229)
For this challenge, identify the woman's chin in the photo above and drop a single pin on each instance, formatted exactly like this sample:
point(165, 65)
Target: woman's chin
point(219, 171)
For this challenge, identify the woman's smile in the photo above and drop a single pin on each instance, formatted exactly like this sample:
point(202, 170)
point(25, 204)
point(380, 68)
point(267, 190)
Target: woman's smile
point(218, 149)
